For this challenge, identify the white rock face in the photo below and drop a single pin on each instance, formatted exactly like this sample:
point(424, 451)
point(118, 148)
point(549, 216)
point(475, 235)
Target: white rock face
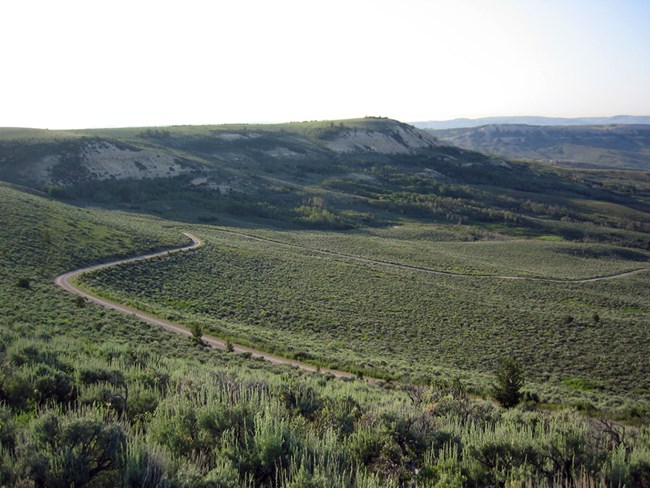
point(236, 136)
point(401, 140)
point(108, 161)
point(104, 161)
point(282, 152)
point(431, 174)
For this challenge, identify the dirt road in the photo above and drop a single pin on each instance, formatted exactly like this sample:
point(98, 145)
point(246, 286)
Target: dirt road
point(65, 281)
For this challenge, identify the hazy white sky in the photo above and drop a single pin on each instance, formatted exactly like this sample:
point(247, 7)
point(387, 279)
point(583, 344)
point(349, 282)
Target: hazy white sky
point(100, 63)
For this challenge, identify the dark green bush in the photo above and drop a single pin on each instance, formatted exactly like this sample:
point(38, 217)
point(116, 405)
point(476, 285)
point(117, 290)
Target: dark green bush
point(509, 380)
point(197, 334)
point(23, 283)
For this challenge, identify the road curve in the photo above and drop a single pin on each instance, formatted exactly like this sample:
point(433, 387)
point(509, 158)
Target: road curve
point(65, 281)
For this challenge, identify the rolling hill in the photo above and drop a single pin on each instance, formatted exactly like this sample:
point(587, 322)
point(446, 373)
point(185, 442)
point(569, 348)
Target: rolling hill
point(335, 174)
point(43, 157)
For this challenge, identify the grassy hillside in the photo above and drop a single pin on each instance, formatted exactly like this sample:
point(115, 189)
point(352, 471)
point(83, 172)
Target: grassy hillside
point(328, 175)
point(54, 238)
point(310, 296)
point(585, 146)
point(93, 398)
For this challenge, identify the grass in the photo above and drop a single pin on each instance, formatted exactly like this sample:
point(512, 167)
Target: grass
point(54, 238)
point(389, 322)
point(581, 384)
point(505, 256)
point(312, 129)
point(91, 397)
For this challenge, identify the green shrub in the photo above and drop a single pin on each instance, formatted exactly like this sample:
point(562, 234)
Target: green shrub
point(146, 466)
point(70, 449)
point(7, 428)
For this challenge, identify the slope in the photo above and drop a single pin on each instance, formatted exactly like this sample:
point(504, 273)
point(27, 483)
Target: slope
point(334, 174)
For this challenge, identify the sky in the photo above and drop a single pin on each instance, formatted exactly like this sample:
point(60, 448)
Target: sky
point(94, 63)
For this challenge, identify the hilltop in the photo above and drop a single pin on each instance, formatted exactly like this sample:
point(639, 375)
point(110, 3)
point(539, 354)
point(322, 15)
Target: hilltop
point(44, 157)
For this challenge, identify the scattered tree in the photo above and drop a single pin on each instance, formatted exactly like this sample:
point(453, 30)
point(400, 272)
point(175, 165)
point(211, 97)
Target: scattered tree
point(197, 334)
point(23, 283)
point(509, 380)
point(567, 319)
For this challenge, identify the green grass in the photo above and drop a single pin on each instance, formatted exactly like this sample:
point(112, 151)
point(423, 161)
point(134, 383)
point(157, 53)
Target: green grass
point(91, 397)
point(46, 237)
point(581, 384)
point(508, 257)
point(26, 135)
point(177, 414)
point(80, 384)
point(312, 129)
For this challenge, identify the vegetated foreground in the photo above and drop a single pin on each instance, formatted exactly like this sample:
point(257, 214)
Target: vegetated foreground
point(91, 397)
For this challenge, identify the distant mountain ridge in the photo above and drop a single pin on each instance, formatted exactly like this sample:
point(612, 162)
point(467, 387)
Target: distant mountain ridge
point(593, 146)
point(531, 120)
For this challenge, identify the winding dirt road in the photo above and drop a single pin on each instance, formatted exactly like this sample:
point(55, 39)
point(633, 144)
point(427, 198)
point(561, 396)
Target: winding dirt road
point(65, 281)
